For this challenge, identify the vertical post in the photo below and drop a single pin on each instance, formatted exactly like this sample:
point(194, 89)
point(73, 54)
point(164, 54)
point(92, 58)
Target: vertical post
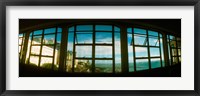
point(54, 49)
point(63, 48)
point(124, 49)
point(160, 50)
point(113, 48)
point(41, 47)
point(149, 56)
point(134, 56)
point(165, 49)
point(25, 47)
point(93, 49)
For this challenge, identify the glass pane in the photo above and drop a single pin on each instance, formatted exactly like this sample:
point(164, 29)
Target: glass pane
point(103, 28)
point(174, 52)
point(155, 63)
point(175, 60)
point(153, 42)
point(104, 66)
point(142, 64)
point(139, 31)
point(104, 37)
point(50, 30)
point(69, 61)
point(173, 43)
point(59, 30)
point(140, 39)
point(19, 49)
point(47, 50)
point(38, 32)
point(21, 35)
point(162, 50)
point(20, 41)
point(179, 44)
point(37, 40)
point(130, 53)
point(178, 39)
point(58, 38)
point(179, 52)
point(47, 63)
point(57, 56)
point(141, 52)
point(70, 42)
point(169, 53)
point(35, 50)
point(84, 51)
point(83, 65)
point(179, 59)
point(117, 29)
point(171, 37)
point(152, 33)
point(154, 52)
point(34, 60)
point(84, 37)
point(71, 29)
point(103, 52)
point(84, 28)
point(117, 53)
point(129, 30)
point(49, 39)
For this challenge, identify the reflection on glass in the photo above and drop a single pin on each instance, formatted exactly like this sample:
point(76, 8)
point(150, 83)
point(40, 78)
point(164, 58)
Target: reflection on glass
point(154, 52)
point(83, 37)
point(155, 63)
point(35, 50)
point(34, 60)
point(47, 50)
point(103, 28)
point(84, 51)
point(142, 64)
point(82, 65)
point(103, 52)
point(103, 66)
point(103, 37)
point(49, 39)
point(141, 52)
point(140, 39)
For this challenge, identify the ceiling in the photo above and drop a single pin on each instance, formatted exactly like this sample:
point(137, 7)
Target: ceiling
point(173, 25)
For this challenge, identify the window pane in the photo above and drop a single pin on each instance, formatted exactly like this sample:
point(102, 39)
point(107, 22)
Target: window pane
point(153, 42)
point(84, 51)
point(103, 52)
point(37, 40)
point(104, 66)
point(179, 44)
point(21, 35)
point(34, 60)
point(47, 50)
point(83, 65)
point(171, 37)
point(173, 43)
point(180, 59)
point(35, 50)
point(20, 41)
point(59, 30)
point(69, 61)
point(175, 60)
point(142, 64)
point(139, 31)
point(19, 49)
point(49, 39)
point(84, 37)
point(153, 33)
point(50, 30)
point(47, 63)
point(179, 52)
point(103, 28)
point(155, 63)
point(154, 52)
point(70, 42)
point(117, 53)
point(140, 39)
point(141, 52)
point(129, 30)
point(103, 37)
point(174, 52)
point(58, 38)
point(162, 51)
point(84, 28)
point(130, 53)
point(37, 32)
point(117, 29)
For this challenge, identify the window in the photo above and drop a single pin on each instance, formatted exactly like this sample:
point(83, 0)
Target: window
point(44, 48)
point(21, 43)
point(174, 45)
point(98, 46)
point(145, 49)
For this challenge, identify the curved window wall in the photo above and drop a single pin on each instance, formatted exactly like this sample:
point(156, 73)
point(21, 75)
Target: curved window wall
point(97, 49)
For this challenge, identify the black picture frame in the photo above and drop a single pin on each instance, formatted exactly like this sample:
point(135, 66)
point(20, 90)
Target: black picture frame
point(4, 3)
